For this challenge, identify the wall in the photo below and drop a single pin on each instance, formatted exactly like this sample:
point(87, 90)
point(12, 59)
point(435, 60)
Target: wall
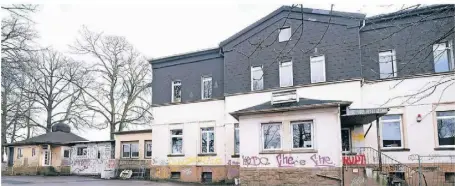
point(339, 45)
point(412, 39)
point(89, 164)
point(419, 137)
point(189, 70)
point(141, 137)
point(27, 159)
point(56, 155)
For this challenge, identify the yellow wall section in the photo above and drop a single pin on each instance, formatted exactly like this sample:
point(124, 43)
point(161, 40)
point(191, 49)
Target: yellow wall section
point(141, 137)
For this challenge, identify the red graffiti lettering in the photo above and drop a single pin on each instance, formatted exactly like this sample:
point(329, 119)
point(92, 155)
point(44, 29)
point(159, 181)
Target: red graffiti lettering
point(354, 160)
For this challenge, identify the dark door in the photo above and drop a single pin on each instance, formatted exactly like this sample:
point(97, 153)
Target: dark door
point(11, 156)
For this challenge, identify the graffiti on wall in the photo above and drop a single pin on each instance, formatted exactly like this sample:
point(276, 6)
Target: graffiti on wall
point(92, 161)
point(354, 159)
point(233, 162)
point(287, 160)
point(322, 161)
point(255, 161)
point(284, 160)
point(187, 161)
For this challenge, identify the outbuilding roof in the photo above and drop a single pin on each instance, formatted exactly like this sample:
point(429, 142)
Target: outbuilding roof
point(57, 137)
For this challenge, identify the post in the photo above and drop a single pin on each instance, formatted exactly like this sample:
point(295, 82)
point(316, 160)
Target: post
point(379, 143)
point(420, 170)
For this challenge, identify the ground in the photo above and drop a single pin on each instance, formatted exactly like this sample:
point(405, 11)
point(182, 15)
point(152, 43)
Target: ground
point(76, 181)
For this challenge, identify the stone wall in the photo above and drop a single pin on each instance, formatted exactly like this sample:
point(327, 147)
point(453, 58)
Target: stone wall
point(290, 176)
point(192, 173)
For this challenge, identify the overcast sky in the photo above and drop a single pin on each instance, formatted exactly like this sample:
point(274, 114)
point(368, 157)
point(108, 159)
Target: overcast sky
point(162, 29)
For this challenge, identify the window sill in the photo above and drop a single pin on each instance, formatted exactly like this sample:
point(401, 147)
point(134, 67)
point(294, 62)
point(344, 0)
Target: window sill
point(349, 153)
point(304, 151)
point(207, 154)
point(444, 148)
point(235, 156)
point(294, 151)
point(129, 158)
point(175, 155)
point(396, 150)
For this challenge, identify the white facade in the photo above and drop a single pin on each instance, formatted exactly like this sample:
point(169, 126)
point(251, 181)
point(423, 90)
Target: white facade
point(418, 137)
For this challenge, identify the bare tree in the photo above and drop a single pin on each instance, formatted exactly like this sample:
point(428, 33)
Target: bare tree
point(54, 78)
point(122, 93)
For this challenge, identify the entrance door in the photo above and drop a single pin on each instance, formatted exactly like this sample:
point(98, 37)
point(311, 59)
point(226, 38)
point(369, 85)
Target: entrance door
point(11, 157)
point(46, 158)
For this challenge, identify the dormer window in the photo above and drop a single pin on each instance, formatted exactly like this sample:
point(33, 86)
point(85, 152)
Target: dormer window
point(285, 34)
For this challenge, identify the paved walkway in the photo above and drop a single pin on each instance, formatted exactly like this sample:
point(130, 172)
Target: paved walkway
point(76, 181)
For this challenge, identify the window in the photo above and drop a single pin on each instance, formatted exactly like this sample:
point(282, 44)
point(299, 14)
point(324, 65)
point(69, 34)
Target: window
point(285, 34)
point(446, 127)
point(176, 141)
point(387, 64)
point(271, 136)
point(33, 152)
point(99, 155)
point(302, 134)
point(206, 177)
point(391, 132)
point(148, 149)
point(257, 78)
point(317, 69)
point(82, 151)
point(236, 139)
point(66, 153)
point(286, 74)
point(206, 87)
point(19, 153)
point(449, 177)
point(442, 54)
point(207, 140)
point(46, 157)
point(175, 175)
point(130, 149)
point(346, 140)
point(176, 91)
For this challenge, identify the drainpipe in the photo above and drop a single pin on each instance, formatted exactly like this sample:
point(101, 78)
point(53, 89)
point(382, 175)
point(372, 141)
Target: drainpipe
point(379, 143)
point(360, 50)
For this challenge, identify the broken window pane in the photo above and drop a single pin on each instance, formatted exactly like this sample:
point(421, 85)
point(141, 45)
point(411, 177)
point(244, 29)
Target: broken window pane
point(271, 135)
point(206, 87)
point(176, 91)
point(177, 141)
point(302, 134)
point(446, 127)
point(387, 64)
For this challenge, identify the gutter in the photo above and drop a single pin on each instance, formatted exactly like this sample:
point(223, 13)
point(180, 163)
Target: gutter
point(360, 50)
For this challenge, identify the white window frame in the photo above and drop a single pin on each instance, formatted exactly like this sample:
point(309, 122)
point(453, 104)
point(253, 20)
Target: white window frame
point(146, 143)
point(130, 144)
point(312, 134)
point(442, 117)
point(84, 152)
point(394, 62)
point(20, 153)
point(401, 131)
point(317, 59)
point(281, 136)
point(204, 79)
point(281, 37)
point(287, 63)
point(174, 83)
point(254, 69)
point(176, 136)
point(448, 50)
point(350, 140)
point(208, 144)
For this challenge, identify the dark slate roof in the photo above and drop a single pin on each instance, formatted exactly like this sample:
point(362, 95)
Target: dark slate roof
point(51, 138)
point(409, 12)
point(134, 131)
point(184, 55)
point(295, 9)
point(303, 103)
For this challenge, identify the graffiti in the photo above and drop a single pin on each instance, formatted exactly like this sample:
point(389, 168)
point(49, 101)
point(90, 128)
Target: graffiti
point(288, 161)
point(322, 161)
point(157, 161)
point(94, 161)
point(358, 137)
point(354, 160)
point(111, 164)
point(255, 161)
point(358, 181)
point(195, 160)
point(187, 171)
point(233, 162)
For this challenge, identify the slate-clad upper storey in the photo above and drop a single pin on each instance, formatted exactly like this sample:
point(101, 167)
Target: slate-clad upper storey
point(411, 34)
point(339, 45)
point(189, 68)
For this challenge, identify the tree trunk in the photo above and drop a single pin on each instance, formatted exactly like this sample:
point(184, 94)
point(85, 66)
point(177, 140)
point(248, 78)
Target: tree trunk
point(112, 126)
point(4, 128)
point(27, 122)
point(49, 116)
